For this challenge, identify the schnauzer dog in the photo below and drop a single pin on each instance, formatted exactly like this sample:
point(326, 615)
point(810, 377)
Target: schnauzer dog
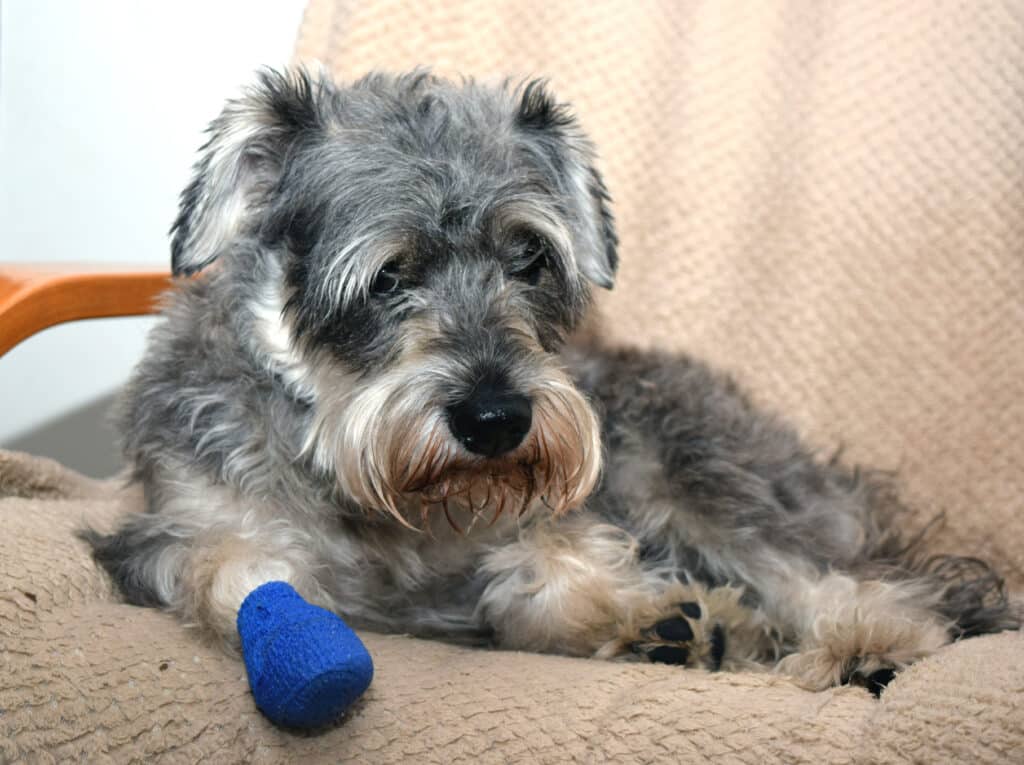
point(368, 392)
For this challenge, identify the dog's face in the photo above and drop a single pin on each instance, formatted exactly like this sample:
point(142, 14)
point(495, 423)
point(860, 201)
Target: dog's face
point(414, 253)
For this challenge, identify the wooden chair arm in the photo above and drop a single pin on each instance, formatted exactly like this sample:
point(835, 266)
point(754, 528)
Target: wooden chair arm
point(34, 297)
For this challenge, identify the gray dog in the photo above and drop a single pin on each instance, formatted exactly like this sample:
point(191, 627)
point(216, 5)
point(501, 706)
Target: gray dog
point(367, 393)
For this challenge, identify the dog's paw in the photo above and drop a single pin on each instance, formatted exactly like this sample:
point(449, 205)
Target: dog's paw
point(821, 668)
point(693, 626)
point(685, 637)
point(864, 641)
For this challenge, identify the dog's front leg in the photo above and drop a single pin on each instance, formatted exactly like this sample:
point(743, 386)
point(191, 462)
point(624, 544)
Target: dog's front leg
point(861, 631)
point(305, 665)
point(223, 571)
point(565, 586)
point(578, 587)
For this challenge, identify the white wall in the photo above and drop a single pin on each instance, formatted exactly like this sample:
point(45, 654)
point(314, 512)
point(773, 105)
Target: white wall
point(102, 105)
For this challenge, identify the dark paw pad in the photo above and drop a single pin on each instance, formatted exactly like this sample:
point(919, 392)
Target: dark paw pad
point(676, 629)
point(877, 681)
point(683, 639)
point(668, 654)
point(717, 647)
point(690, 610)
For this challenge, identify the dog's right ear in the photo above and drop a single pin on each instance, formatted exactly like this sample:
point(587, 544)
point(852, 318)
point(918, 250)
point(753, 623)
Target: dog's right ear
point(240, 164)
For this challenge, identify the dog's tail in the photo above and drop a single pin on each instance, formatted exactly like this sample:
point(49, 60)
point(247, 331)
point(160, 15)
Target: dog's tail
point(971, 595)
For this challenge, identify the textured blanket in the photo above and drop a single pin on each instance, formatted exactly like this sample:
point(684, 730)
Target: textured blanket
point(86, 678)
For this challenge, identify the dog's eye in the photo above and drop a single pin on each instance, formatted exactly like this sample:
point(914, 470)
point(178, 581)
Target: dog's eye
point(535, 258)
point(386, 281)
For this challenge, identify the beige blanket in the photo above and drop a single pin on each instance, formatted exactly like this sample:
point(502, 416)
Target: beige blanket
point(84, 678)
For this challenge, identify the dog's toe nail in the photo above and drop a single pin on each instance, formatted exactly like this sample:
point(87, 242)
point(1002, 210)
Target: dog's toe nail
point(691, 610)
point(676, 629)
point(668, 654)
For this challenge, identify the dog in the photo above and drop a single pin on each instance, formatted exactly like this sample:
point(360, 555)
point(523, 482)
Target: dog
point(373, 389)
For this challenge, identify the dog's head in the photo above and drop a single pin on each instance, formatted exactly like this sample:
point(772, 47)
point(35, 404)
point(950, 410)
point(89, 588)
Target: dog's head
point(415, 251)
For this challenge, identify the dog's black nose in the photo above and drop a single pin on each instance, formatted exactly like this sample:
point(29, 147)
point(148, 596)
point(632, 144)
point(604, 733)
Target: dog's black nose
point(489, 423)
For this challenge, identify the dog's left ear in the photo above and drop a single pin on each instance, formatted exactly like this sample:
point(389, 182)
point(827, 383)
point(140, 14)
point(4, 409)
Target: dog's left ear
point(571, 157)
point(240, 164)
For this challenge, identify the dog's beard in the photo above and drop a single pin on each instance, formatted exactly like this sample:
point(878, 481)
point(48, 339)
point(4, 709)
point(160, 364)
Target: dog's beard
point(389, 445)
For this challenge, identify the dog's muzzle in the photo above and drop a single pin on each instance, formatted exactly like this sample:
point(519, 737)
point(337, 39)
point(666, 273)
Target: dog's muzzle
point(490, 422)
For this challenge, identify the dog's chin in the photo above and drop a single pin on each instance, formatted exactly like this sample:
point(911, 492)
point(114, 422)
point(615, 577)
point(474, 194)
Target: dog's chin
point(490, 488)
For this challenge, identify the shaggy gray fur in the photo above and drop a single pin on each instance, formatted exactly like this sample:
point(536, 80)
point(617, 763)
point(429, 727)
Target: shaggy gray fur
point(402, 244)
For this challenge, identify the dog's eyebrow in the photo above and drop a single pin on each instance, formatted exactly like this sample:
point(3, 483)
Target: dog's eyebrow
point(353, 269)
point(532, 213)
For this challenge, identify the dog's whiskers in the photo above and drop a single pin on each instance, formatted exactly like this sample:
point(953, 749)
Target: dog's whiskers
point(448, 516)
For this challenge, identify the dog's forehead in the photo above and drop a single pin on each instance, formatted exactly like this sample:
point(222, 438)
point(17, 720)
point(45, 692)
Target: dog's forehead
point(443, 151)
point(442, 120)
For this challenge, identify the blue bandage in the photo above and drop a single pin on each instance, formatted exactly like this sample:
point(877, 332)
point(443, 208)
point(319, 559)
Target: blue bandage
point(305, 665)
